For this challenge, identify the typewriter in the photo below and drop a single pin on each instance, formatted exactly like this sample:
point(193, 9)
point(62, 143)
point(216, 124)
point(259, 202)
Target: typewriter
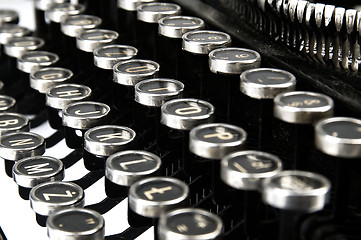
point(180, 119)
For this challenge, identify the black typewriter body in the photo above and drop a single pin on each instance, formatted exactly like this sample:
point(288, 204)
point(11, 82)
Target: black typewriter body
point(256, 25)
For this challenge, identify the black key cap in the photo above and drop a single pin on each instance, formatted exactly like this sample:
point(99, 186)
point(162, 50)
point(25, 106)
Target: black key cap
point(47, 198)
point(246, 171)
point(59, 96)
point(18, 145)
point(148, 15)
point(194, 70)
point(125, 168)
point(31, 171)
point(338, 139)
point(13, 122)
point(149, 198)
point(7, 104)
point(171, 30)
point(295, 193)
point(76, 224)
point(297, 112)
point(190, 223)
point(211, 142)
point(260, 86)
point(102, 141)
point(82, 116)
point(227, 64)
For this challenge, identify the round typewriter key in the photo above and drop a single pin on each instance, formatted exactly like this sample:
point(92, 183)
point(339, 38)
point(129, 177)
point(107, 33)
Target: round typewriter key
point(76, 224)
point(18, 145)
point(55, 14)
point(213, 141)
point(31, 171)
point(339, 141)
point(8, 16)
point(151, 95)
point(259, 86)
point(181, 115)
point(13, 122)
point(105, 58)
point(126, 75)
point(189, 224)
point(47, 198)
point(151, 197)
point(148, 15)
point(59, 96)
point(9, 31)
point(295, 193)
point(196, 46)
point(227, 64)
point(122, 169)
point(82, 116)
point(171, 30)
point(87, 41)
point(102, 141)
point(246, 170)
point(17, 46)
point(7, 104)
point(127, 19)
point(297, 111)
point(35, 60)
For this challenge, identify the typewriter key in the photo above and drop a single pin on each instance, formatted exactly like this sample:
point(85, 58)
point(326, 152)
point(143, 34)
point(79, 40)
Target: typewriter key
point(171, 30)
point(151, 95)
point(47, 198)
point(149, 198)
point(126, 75)
point(59, 96)
point(18, 145)
point(76, 224)
point(245, 170)
point(297, 112)
point(339, 140)
point(87, 41)
point(260, 86)
point(189, 224)
point(182, 115)
point(228, 64)
point(82, 116)
point(13, 122)
point(31, 171)
point(8, 16)
point(102, 141)
point(148, 15)
point(55, 14)
point(42, 27)
point(127, 19)
point(124, 168)
point(9, 31)
point(7, 104)
point(295, 193)
point(213, 141)
point(194, 68)
point(105, 58)
point(72, 26)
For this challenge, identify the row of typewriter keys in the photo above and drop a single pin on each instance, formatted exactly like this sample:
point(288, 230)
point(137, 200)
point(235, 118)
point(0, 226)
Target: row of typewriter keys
point(163, 126)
